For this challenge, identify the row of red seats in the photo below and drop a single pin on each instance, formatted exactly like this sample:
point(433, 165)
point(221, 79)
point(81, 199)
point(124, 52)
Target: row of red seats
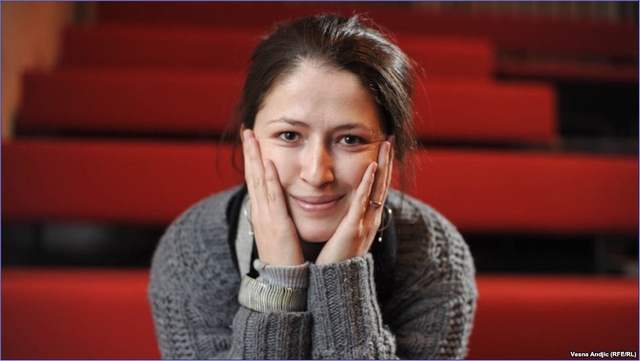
point(118, 45)
point(103, 314)
point(481, 191)
point(201, 102)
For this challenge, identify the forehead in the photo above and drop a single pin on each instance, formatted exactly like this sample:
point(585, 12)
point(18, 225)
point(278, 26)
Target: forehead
point(319, 95)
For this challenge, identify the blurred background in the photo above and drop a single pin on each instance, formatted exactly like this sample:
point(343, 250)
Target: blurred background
point(112, 122)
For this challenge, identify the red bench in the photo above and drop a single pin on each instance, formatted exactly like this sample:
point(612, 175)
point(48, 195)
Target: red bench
point(76, 314)
point(230, 49)
point(104, 314)
point(199, 102)
point(152, 182)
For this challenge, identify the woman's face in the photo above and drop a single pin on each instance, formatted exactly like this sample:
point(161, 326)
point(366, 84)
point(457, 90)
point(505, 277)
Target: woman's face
point(321, 129)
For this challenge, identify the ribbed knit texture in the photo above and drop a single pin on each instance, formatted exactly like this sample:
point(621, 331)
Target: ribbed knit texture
point(194, 290)
point(283, 276)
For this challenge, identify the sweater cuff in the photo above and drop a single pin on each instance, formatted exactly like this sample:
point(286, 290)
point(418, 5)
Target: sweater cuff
point(343, 304)
point(348, 281)
point(263, 297)
point(283, 276)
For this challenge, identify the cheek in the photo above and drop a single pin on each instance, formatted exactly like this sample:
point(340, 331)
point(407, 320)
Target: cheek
point(351, 168)
point(283, 161)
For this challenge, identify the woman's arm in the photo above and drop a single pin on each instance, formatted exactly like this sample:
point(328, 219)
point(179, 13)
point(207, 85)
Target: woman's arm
point(194, 297)
point(347, 322)
point(431, 308)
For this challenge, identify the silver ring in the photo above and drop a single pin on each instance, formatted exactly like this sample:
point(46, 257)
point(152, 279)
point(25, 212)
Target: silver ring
point(375, 203)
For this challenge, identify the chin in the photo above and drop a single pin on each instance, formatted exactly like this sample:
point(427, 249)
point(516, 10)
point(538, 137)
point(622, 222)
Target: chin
point(317, 234)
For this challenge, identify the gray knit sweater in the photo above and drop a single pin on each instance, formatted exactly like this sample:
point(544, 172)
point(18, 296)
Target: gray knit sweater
point(194, 296)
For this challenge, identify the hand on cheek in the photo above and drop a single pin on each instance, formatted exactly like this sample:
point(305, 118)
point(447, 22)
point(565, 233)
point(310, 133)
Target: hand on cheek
point(275, 234)
point(356, 231)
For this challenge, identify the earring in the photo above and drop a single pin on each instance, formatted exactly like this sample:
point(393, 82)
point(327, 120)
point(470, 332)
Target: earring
point(247, 214)
point(389, 219)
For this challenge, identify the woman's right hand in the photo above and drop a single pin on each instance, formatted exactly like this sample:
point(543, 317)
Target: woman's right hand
point(275, 233)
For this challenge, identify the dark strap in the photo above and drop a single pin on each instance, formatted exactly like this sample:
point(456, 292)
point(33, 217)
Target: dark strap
point(384, 253)
point(234, 209)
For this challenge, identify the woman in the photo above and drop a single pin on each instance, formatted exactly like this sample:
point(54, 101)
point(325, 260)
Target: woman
point(315, 257)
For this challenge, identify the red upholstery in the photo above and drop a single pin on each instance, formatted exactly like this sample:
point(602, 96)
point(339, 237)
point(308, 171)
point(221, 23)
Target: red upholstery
point(103, 314)
point(513, 34)
point(141, 182)
point(148, 46)
point(149, 101)
point(480, 191)
point(202, 102)
point(527, 317)
point(220, 48)
point(76, 314)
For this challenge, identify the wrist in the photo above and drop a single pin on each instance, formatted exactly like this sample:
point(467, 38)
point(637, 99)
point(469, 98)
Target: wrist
point(264, 297)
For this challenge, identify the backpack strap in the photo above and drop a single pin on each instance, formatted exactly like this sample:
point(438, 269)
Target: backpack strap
point(233, 217)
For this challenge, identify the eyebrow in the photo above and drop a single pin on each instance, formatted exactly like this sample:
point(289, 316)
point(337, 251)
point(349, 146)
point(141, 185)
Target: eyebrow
point(348, 126)
point(289, 121)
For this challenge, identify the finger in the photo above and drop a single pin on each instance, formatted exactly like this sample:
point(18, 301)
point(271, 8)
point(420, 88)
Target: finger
point(361, 198)
point(275, 195)
point(392, 153)
point(378, 192)
point(351, 238)
point(254, 170)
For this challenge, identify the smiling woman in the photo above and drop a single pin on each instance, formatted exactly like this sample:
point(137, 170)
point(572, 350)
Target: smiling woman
point(315, 256)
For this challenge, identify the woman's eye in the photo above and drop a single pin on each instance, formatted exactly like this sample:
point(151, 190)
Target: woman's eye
point(289, 136)
point(351, 140)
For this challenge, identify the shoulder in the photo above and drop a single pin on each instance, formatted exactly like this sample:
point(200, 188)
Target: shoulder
point(430, 249)
point(208, 212)
point(418, 217)
point(194, 247)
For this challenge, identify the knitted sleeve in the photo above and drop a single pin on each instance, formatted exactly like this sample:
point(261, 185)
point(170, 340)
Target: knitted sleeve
point(430, 312)
point(194, 297)
point(347, 323)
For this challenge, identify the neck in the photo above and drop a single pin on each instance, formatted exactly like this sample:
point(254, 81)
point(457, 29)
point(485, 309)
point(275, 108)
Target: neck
point(311, 250)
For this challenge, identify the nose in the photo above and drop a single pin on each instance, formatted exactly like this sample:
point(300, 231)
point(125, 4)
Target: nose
point(316, 164)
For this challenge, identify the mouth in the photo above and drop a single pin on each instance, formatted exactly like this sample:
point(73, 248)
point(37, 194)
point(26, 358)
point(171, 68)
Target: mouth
point(317, 204)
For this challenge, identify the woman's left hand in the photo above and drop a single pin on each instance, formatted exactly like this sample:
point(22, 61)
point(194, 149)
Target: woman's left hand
point(358, 228)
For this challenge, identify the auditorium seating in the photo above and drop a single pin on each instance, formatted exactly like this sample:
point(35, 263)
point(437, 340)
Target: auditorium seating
point(124, 132)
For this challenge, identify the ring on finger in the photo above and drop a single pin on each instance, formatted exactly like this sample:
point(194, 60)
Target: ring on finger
point(375, 203)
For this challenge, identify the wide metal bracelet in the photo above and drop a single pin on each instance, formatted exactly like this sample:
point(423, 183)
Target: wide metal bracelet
point(263, 297)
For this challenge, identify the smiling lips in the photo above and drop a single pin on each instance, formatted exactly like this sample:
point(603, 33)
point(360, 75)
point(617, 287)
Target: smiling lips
point(317, 204)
